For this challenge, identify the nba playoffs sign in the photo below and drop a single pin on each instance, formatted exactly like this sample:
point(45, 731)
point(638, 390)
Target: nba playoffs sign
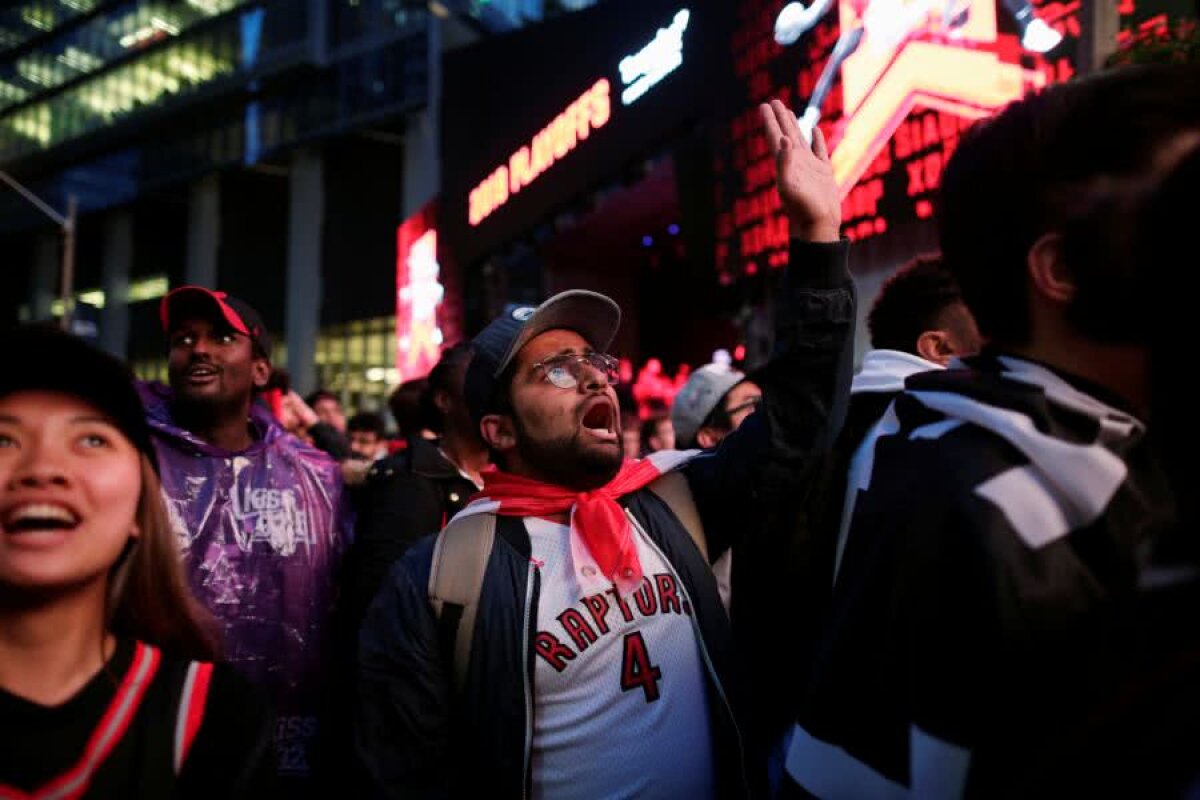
point(534, 119)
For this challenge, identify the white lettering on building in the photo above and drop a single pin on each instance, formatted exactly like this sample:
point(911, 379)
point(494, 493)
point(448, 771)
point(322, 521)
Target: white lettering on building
point(642, 72)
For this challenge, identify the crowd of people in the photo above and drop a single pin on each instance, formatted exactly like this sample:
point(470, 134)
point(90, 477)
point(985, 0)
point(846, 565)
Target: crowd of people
point(967, 570)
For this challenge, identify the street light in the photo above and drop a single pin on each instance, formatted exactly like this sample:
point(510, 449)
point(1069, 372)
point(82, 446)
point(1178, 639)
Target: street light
point(67, 226)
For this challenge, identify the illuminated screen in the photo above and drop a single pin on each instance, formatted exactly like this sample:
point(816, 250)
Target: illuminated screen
point(420, 295)
point(534, 119)
point(904, 79)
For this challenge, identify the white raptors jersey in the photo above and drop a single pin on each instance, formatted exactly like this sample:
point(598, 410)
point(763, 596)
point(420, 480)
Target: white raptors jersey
point(620, 704)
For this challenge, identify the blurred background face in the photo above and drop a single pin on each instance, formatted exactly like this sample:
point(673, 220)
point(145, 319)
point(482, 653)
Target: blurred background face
point(365, 444)
point(329, 411)
point(454, 405)
point(69, 489)
point(631, 435)
point(660, 435)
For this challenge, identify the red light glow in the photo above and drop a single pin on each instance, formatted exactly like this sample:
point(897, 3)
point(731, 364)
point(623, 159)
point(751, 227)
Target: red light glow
point(419, 296)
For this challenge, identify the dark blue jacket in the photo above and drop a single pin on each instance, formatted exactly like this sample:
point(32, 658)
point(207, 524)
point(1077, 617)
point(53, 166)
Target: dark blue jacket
point(421, 738)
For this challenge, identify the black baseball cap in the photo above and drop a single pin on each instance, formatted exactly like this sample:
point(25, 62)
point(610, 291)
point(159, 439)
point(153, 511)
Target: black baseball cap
point(48, 359)
point(237, 314)
point(593, 316)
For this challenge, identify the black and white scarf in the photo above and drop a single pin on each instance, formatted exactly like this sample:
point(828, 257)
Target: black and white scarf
point(1072, 471)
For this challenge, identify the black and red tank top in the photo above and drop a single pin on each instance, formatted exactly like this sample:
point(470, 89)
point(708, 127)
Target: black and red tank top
point(127, 733)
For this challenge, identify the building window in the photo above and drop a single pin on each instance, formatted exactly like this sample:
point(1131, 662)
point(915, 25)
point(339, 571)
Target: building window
point(356, 361)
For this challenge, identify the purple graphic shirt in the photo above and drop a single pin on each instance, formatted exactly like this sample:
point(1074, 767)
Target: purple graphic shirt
point(263, 532)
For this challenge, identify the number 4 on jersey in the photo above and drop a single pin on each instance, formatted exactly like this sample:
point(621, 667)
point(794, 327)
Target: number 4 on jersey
point(636, 670)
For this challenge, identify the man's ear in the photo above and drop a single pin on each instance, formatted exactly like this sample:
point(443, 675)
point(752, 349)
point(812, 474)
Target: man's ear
point(936, 346)
point(261, 372)
point(1048, 272)
point(498, 432)
point(442, 401)
point(707, 437)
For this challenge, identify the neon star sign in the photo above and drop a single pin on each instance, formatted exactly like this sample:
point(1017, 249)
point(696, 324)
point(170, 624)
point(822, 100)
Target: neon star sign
point(419, 295)
point(896, 55)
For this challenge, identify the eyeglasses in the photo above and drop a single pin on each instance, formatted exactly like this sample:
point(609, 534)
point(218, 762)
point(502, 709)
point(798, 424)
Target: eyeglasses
point(752, 405)
point(567, 371)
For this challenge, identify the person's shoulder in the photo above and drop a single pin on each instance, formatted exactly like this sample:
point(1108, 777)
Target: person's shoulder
point(404, 593)
point(396, 466)
point(232, 749)
point(229, 687)
point(305, 455)
point(929, 442)
point(217, 682)
point(417, 562)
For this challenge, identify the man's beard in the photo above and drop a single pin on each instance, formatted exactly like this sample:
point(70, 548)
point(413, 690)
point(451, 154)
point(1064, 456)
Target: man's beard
point(199, 408)
point(566, 462)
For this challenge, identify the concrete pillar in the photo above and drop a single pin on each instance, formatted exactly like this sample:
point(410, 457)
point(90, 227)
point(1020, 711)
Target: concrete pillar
point(43, 288)
point(422, 156)
point(1099, 24)
point(115, 264)
point(204, 232)
point(306, 219)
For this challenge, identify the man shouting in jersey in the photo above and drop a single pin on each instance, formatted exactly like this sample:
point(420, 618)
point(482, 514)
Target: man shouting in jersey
point(593, 657)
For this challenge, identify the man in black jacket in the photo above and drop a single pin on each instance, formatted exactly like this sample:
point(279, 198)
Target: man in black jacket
point(993, 509)
point(918, 323)
point(416, 491)
point(601, 660)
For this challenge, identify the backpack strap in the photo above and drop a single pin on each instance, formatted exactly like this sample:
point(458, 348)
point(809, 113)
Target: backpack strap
point(193, 698)
point(460, 557)
point(673, 490)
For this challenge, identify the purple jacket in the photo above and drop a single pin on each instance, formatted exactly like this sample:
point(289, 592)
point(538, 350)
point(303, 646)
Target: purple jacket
point(263, 532)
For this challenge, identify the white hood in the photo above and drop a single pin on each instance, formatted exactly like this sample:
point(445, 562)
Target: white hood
point(886, 371)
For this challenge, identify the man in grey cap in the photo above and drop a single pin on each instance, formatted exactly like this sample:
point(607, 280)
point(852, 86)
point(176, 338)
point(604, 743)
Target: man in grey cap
point(713, 403)
point(563, 636)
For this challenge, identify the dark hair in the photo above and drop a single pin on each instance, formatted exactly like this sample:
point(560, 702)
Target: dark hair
point(910, 303)
point(367, 422)
point(319, 395)
point(1025, 172)
point(499, 401)
point(718, 418)
point(1166, 233)
point(405, 405)
point(444, 377)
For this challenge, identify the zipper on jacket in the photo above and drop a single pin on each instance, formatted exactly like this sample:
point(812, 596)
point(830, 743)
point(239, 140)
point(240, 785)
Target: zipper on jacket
point(712, 670)
point(526, 668)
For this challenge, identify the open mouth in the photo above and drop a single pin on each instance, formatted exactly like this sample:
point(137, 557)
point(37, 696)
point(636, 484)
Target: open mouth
point(39, 517)
point(200, 374)
point(600, 420)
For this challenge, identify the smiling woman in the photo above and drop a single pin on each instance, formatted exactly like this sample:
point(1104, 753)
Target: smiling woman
point(106, 680)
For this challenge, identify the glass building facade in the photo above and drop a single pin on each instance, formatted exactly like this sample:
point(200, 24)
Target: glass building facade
point(128, 106)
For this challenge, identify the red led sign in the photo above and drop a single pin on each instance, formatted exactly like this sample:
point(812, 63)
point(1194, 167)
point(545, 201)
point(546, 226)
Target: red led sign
point(900, 79)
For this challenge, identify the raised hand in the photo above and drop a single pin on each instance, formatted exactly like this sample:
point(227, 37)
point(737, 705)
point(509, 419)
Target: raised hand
point(803, 176)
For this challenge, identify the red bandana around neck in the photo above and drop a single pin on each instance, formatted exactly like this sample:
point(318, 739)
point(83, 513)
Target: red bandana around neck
point(596, 516)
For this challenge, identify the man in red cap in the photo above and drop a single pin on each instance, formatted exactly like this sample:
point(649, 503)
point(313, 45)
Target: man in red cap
point(261, 516)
